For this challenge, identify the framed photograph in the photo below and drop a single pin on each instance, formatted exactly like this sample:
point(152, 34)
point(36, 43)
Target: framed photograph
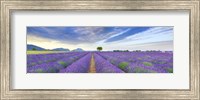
point(100, 49)
point(115, 49)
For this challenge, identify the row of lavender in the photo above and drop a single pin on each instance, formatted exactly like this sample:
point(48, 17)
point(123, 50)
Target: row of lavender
point(78, 62)
point(141, 62)
point(104, 66)
point(51, 63)
point(106, 62)
point(82, 65)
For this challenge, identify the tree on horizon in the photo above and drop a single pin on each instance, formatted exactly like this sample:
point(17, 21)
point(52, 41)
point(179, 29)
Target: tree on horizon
point(99, 48)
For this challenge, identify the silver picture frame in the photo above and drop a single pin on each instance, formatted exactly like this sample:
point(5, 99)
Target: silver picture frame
point(9, 6)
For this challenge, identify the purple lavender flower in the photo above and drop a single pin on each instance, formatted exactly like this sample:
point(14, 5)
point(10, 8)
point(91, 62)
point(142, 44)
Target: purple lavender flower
point(80, 66)
point(143, 62)
point(55, 66)
point(104, 66)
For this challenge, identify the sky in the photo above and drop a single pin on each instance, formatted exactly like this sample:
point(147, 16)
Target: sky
point(110, 38)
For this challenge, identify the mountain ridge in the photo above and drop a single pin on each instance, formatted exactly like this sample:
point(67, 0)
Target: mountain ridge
point(34, 47)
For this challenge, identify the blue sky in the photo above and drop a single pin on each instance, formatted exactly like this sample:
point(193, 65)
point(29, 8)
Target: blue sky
point(110, 38)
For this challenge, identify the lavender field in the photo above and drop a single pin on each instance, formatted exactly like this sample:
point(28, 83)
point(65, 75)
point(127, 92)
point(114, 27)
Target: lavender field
point(100, 49)
point(101, 62)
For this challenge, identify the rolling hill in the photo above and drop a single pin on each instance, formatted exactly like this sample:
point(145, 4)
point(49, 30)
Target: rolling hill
point(34, 47)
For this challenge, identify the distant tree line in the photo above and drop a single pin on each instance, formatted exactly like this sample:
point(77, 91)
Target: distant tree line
point(139, 51)
point(34, 49)
point(120, 50)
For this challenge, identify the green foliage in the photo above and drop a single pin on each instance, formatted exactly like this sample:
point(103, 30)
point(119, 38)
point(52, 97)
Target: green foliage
point(170, 70)
point(140, 70)
point(147, 64)
point(52, 70)
point(39, 71)
point(34, 49)
point(42, 52)
point(33, 63)
point(126, 50)
point(123, 65)
point(120, 50)
point(99, 48)
point(64, 64)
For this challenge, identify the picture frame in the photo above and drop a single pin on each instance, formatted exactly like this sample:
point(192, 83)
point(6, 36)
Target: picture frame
point(9, 6)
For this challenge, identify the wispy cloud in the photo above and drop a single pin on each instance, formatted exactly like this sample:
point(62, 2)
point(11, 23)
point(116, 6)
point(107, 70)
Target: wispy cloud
point(74, 35)
point(109, 37)
point(154, 34)
point(130, 32)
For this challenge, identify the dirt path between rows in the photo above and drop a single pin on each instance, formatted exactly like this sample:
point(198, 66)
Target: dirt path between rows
point(92, 65)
